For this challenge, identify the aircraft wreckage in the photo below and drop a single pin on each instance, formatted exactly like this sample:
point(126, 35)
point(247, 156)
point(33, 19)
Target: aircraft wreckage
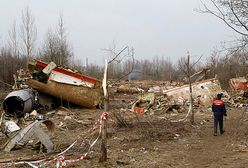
point(61, 83)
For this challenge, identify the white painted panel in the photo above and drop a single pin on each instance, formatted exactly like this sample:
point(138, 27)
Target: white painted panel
point(63, 78)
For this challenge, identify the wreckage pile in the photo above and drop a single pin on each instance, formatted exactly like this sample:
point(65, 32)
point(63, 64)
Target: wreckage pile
point(30, 139)
point(36, 92)
point(44, 86)
point(149, 96)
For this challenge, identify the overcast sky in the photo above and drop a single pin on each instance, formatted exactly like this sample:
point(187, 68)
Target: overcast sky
point(167, 28)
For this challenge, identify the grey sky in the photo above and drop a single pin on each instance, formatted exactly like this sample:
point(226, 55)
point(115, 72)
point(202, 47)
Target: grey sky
point(166, 28)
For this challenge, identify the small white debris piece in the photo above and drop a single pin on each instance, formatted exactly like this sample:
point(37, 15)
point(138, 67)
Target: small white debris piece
point(11, 126)
point(47, 70)
point(34, 113)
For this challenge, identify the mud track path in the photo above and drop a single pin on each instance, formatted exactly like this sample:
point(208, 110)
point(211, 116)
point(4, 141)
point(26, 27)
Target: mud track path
point(227, 150)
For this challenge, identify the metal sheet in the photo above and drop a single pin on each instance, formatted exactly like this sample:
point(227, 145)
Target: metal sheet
point(80, 95)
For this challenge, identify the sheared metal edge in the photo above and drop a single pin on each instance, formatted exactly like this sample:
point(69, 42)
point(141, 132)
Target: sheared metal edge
point(28, 132)
point(235, 83)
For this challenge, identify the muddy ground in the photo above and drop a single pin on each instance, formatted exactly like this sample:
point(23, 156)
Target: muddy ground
point(143, 141)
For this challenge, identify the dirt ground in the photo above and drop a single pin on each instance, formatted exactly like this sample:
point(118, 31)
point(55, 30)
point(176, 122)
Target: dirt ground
point(144, 141)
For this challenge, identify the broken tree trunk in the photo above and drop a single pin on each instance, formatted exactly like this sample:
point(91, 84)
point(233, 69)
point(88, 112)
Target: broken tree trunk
point(104, 123)
point(190, 91)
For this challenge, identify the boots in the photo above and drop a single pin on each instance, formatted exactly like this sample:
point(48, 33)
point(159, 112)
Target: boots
point(222, 131)
point(215, 131)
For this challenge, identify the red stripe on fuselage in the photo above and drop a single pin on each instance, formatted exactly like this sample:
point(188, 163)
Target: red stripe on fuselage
point(75, 75)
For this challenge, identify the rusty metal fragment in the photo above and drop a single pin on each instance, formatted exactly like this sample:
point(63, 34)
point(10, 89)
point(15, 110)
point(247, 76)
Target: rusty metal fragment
point(238, 84)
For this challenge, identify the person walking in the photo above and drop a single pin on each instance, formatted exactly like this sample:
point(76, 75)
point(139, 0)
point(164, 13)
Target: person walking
point(219, 110)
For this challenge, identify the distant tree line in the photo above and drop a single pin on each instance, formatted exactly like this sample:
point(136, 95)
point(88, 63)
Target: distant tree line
point(21, 47)
point(159, 68)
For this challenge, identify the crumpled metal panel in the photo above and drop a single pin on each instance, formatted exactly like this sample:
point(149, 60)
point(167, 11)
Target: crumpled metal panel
point(83, 96)
point(240, 83)
point(203, 91)
point(66, 85)
point(26, 133)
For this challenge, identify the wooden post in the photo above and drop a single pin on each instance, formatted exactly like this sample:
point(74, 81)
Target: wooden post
point(103, 157)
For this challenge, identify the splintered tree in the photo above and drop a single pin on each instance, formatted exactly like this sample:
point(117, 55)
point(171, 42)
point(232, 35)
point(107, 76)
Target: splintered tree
point(104, 154)
point(115, 57)
point(28, 33)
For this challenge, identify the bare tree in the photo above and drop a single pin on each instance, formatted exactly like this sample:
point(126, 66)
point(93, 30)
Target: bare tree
point(28, 33)
point(234, 13)
point(56, 47)
point(116, 60)
point(228, 66)
point(192, 119)
point(65, 53)
point(185, 65)
point(13, 40)
point(50, 50)
point(9, 64)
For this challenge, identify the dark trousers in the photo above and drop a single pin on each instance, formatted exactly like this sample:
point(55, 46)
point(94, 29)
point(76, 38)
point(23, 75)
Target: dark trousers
point(218, 119)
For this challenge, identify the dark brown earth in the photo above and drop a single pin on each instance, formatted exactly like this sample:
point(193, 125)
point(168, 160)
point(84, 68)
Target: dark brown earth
point(145, 141)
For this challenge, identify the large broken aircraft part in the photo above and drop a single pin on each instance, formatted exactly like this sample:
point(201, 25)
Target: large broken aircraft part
point(82, 96)
point(204, 91)
point(19, 102)
point(240, 83)
point(66, 85)
point(33, 129)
